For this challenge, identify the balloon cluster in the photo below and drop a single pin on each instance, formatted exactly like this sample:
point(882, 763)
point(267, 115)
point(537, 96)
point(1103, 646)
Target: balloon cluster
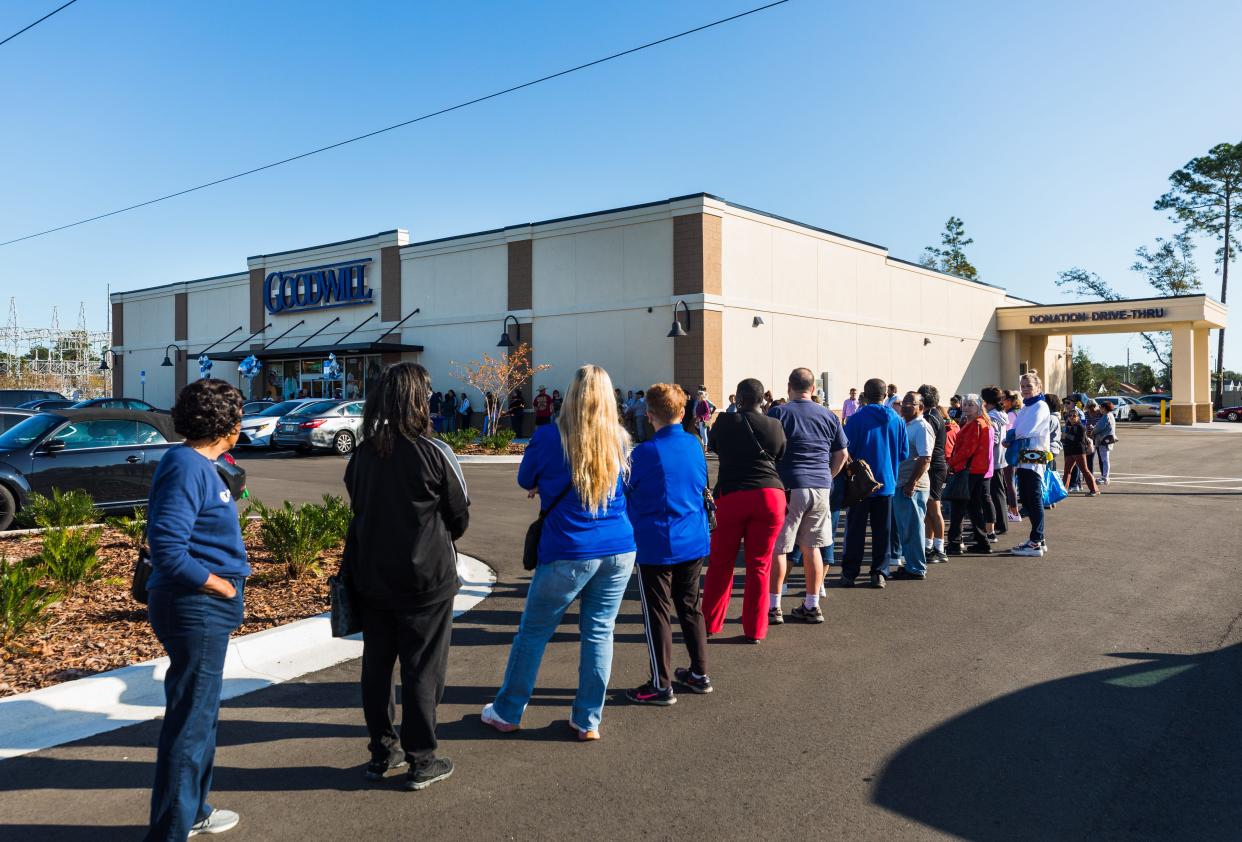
point(204, 366)
point(250, 367)
point(331, 368)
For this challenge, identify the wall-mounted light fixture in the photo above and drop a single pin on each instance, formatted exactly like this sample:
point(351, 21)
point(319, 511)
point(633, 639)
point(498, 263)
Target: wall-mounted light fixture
point(167, 363)
point(758, 321)
point(926, 341)
point(677, 330)
point(506, 341)
point(103, 358)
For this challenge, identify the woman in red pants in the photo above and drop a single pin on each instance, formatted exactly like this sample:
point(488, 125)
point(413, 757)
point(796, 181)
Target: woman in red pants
point(750, 507)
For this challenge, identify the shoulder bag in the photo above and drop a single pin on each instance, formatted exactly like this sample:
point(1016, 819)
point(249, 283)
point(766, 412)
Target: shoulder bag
point(860, 482)
point(957, 489)
point(142, 572)
point(530, 550)
point(345, 617)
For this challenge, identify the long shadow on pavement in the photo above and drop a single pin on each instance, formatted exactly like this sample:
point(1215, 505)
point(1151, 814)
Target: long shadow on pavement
point(1151, 749)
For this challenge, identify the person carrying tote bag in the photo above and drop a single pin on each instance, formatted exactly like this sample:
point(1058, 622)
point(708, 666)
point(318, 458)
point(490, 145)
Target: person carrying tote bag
point(410, 504)
point(971, 464)
point(1104, 435)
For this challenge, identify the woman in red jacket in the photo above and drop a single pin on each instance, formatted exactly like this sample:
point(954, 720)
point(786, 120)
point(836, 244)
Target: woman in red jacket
point(971, 452)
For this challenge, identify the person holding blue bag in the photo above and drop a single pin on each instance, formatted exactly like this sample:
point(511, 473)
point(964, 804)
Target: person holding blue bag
point(1027, 450)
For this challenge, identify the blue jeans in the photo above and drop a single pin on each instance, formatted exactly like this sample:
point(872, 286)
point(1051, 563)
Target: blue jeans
point(599, 584)
point(909, 513)
point(194, 629)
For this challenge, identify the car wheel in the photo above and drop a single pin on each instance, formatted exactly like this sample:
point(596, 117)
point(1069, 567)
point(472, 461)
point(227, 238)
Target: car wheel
point(8, 507)
point(343, 443)
point(1233, 416)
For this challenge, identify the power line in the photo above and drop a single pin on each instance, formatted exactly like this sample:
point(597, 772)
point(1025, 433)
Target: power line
point(400, 125)
point(36, 23)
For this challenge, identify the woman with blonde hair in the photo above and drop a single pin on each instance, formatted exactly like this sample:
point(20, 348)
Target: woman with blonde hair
point(586, 551)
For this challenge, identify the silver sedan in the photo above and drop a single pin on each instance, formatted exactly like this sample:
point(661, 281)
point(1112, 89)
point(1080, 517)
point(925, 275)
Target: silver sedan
point(323, 425)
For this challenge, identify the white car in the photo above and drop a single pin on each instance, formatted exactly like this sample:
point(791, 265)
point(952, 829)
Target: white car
point(257, 430)
point(1121, 405)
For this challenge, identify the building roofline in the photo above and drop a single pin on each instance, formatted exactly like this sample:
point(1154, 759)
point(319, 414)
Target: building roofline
point(1114, 301)
point(177, 284)
point(324, 245)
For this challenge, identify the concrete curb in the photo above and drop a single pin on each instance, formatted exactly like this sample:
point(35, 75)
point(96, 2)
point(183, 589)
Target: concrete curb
point(474, 459)
point(82, 708)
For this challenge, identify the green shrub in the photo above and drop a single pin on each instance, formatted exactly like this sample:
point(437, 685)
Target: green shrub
point(63, 508)
point(336, 516)
point(499, 441)
point(133, 527)
point(22, 599)
point(296, 537)
point(70, 556)
point(459, 440)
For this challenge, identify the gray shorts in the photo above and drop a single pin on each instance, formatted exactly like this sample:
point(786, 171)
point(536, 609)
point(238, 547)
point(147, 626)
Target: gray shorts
point(808, 520)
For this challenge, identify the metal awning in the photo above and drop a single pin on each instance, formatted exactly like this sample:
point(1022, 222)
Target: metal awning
point(293, 353)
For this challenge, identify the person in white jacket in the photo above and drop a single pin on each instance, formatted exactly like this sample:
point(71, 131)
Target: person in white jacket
point(1030, 436)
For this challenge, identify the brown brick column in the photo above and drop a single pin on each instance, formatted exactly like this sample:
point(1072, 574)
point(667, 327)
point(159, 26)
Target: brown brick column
point(118, 359)
point(521, 296)
point(256, 298)
point(697, 357)
point(390, 284)
point(181, 333)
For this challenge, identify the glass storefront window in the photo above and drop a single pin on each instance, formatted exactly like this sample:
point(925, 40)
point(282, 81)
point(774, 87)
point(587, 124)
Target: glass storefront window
point(303, 378)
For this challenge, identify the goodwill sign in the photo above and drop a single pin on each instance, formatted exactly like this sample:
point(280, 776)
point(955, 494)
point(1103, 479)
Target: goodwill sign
point(317, 287)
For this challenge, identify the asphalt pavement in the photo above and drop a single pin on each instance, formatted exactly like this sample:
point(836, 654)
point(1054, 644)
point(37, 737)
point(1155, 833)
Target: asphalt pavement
point(1091, 694)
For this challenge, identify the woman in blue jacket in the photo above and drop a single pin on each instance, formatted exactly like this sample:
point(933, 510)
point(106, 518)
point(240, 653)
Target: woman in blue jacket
point(586, 551)
point(664, 496)
point(198, 567)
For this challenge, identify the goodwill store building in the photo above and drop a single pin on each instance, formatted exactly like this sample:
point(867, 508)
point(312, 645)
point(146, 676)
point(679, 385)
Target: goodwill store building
point(755, 294)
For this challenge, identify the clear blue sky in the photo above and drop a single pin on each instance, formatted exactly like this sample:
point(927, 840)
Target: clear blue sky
point(1049, 128)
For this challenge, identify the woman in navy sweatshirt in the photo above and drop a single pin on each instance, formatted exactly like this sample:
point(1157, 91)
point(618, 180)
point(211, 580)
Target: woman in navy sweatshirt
point(586, 551)
point(198, 567)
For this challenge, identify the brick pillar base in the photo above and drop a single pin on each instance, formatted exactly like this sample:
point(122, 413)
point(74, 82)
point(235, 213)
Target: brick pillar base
point(1182, 413)
point(1203, 412)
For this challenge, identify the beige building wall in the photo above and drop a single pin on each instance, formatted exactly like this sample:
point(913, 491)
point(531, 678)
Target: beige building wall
point(847, 309)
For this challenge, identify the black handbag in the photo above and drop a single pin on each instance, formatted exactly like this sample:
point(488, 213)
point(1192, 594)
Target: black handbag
point(530, 549)
point(957, 489)
point(345, 617)
point(142, 572)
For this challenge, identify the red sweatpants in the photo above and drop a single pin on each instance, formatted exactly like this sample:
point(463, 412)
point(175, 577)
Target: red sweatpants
point(756, 516)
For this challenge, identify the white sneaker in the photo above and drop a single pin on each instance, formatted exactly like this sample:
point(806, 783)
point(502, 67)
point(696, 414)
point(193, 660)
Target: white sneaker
point(218, 822)
point(823, 592)
point(490, 717)
point(1027, 548)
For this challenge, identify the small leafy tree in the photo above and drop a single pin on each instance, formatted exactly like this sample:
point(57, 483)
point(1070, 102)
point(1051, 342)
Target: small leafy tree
point(22, 599)
point(1205, 196)
point(498, 377)
point(951, 256)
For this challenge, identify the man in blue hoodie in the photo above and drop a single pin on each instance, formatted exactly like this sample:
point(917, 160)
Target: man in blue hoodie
point(877, 436)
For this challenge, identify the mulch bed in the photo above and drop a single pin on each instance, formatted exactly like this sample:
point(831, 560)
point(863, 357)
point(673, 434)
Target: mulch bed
point(100, 627)
point(480, 450)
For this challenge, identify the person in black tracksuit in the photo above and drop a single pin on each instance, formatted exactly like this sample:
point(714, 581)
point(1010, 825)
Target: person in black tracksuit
point(410, 504)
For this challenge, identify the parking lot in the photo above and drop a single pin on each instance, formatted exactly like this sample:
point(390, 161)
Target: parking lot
point(1088, 694)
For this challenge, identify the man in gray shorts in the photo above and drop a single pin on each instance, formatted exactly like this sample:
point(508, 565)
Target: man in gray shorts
point(815, 450)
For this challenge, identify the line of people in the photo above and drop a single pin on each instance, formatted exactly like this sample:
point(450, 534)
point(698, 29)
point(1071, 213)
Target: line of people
point(607, 506)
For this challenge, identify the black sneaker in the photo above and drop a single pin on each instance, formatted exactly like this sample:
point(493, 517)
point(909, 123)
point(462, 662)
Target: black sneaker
point(877, 580)
point(647, 694)
point(903, 573)
point(807, 615)
point(694, 683)
point(425, 774)
point(846, 581)
point(955, 549)
point(993, 537)
point(980, 549)
point(937, 557)
point(379, 767)
point(776, 617)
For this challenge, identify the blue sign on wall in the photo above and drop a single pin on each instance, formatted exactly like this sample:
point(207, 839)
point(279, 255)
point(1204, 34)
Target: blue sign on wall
point(317, 287)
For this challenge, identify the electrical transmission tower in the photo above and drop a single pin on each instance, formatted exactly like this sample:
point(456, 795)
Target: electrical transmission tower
point(52, 357)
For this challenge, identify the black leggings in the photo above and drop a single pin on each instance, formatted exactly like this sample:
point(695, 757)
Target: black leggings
point(977, 513)
point(999, 499)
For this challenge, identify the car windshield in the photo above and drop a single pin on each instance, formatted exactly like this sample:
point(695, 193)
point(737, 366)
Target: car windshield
point(28, 431)
point(314, 408)
point(282, 408)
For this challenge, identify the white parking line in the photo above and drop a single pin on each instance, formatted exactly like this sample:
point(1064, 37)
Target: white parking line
point(1177, 485)
point(1191, 477)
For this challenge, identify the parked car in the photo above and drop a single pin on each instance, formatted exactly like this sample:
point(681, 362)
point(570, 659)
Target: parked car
point(43, 404)
point(1121, 405)
point(1155, 398)
point(1230, 413)
point(323, 425)
point(12, 416)
point(16, 397)
point(1141, 410)
point(118, 403)
point(255, 407)
point(257, 429)
point(110, 454)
